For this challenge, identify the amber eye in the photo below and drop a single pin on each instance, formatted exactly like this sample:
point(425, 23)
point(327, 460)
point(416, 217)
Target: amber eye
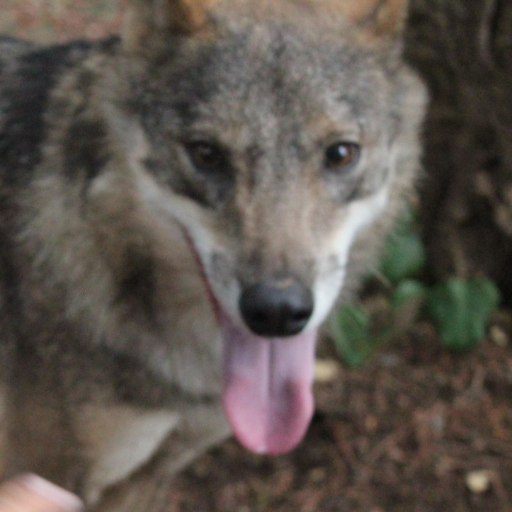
point(207, 156)
point(342, 156)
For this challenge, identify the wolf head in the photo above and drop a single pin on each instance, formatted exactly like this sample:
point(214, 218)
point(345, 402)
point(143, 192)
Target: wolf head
point(270, 134)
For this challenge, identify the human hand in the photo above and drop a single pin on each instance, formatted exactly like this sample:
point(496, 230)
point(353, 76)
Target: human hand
point(31, 493)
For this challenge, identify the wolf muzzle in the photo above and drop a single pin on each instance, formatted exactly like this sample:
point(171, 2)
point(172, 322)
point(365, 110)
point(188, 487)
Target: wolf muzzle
point(272, 309)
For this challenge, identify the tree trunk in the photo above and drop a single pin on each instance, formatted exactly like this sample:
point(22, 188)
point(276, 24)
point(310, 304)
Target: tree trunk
point(463, 50)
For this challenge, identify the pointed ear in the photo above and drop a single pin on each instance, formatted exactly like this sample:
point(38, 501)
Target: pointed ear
point(376, 18)
point(147, 19)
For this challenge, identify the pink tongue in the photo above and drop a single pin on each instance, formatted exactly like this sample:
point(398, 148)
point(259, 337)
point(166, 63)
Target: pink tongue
point(267, 395)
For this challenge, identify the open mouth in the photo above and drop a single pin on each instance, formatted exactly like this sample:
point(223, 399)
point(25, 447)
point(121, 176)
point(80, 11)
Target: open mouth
point(267, 390)
point(267, 394)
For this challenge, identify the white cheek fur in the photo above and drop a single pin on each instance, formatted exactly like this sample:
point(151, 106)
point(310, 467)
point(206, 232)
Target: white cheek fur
point(328, 286)
point(180, 210)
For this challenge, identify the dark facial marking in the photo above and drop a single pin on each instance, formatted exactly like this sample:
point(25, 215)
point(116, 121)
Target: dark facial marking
point(85, 150)
point(26, 100)
point(211, 176)
point(137, 287)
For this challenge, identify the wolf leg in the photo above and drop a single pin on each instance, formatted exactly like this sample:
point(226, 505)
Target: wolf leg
point(148, 489)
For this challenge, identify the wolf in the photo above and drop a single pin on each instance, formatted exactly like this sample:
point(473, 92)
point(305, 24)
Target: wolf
point(180, 208)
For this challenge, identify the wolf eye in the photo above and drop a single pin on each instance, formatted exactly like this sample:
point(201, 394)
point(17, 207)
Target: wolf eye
point(342, 156)
point(207, 156)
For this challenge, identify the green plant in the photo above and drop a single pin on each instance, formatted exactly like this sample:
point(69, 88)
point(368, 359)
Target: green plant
point(407, 291)
point(350, 326)
point(460, 308)
point(404, 255)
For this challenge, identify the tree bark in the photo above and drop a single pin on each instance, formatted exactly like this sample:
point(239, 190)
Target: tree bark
point(463, 51)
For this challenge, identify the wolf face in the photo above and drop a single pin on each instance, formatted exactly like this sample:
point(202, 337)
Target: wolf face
point(180, 209)
point(272, 142)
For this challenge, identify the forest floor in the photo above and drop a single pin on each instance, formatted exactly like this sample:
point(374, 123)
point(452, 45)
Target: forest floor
point(417, 429)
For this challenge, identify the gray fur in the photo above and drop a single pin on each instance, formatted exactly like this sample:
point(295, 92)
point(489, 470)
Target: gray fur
point(113, 369)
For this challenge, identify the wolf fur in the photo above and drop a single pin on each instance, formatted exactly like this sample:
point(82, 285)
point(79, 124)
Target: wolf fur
point(125, 243)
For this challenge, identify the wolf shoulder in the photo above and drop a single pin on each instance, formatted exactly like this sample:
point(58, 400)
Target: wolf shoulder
point(40, 89)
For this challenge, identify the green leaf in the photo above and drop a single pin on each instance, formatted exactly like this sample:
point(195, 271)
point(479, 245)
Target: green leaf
point(351, 330)
point(407, 301)
point(461, 310)
point(407, 291)
point(404, 255)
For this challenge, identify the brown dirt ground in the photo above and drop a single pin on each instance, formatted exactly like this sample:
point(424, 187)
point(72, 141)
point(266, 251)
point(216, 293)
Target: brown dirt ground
point(407, 433)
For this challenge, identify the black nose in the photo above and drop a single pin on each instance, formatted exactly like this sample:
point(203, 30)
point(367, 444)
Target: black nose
point(272, 310)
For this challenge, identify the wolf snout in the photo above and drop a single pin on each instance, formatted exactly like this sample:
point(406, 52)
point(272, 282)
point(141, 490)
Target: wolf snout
point(271, 309)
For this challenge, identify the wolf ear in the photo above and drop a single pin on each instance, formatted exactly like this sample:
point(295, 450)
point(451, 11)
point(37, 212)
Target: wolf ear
point(146, 19)
point(376, 18)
